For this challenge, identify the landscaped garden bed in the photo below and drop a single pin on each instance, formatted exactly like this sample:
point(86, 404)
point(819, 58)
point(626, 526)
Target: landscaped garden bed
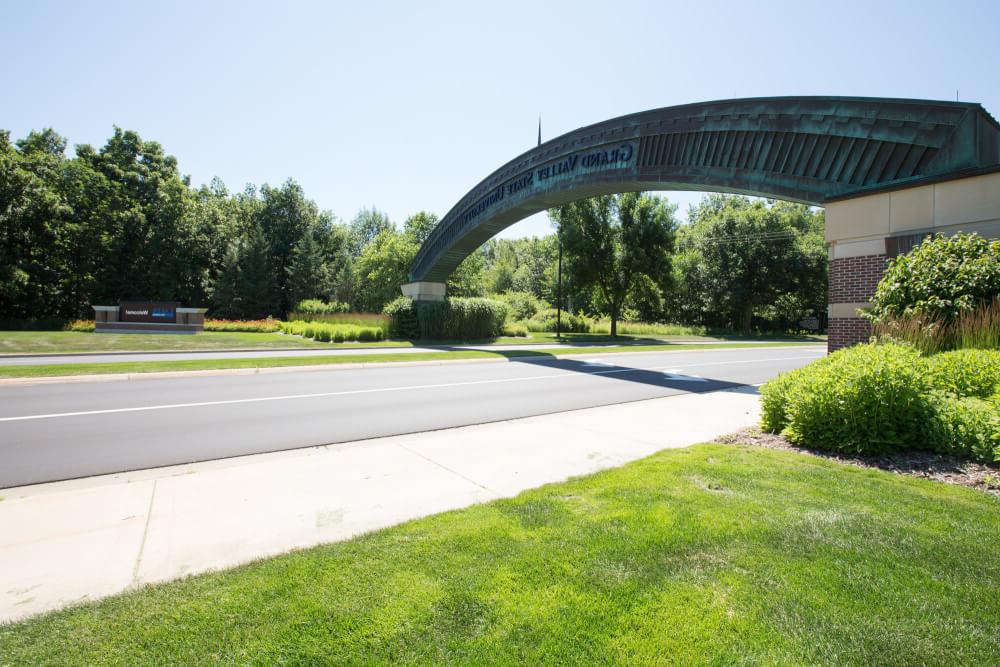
point(913, 462)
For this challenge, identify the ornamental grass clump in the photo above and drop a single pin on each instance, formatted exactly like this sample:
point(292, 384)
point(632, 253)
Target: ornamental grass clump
point(333, 333)
point(452, 319)
point(268, 325)
point(942, 295)
point(546, 321)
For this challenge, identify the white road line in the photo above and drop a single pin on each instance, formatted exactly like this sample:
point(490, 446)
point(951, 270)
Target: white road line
point(327, 394)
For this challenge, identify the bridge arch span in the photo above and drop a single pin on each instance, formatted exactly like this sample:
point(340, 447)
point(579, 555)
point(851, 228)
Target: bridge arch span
point(802, 149)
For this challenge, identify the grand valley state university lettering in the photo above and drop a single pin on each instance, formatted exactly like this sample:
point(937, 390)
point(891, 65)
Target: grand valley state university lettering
point(613, 158)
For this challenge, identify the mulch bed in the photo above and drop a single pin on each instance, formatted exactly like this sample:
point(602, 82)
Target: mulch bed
point(940, 467)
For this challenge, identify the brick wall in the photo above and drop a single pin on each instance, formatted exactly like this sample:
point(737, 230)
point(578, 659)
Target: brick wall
point(845, 331)
point(852, 280)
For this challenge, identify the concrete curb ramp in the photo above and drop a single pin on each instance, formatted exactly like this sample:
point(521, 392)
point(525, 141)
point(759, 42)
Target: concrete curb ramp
point(67, 542)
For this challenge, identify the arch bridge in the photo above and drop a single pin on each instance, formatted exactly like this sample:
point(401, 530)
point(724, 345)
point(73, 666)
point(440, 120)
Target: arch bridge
point(813, 150)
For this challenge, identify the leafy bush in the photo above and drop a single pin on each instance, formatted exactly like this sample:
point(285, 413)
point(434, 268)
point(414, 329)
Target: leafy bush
point(963, 426)
point(515, 329)
point(776, 394)
point(866, 398)
point(880, 397)
point(966, 372)
point(402, 314)
point(245, 326)
point(941, 278)
point(522, 305)
point(317, 307)
point(546, 321)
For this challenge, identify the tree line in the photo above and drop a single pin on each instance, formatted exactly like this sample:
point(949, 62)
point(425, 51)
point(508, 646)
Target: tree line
point(121, 221)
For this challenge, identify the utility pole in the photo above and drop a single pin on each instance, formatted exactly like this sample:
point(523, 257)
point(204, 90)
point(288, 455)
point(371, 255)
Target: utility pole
point(559, 292)
point(559, 270)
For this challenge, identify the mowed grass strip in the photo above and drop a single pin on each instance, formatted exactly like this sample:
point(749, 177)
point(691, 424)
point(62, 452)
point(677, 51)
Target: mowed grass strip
point(713, 554)
point(128, 367)
point(55, 342)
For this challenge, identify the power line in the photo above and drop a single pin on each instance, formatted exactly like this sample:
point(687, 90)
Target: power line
point(766, 236)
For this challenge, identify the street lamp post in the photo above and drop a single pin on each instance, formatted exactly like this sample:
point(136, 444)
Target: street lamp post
point(559, 292)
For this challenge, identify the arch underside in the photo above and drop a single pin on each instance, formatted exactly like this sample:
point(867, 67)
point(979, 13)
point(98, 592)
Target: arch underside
point(806, 150)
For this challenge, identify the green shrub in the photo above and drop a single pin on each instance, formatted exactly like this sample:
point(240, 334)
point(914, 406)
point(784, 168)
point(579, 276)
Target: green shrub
point(864, 399)
point(522, 305)
point(546, 321)
point(968, 426)
point(941, 278)
point(966, 372)
point(338, 336)
point(366, 335)
point(515, 329)
point(776, 394)
point(317, 307)
point(402, 315)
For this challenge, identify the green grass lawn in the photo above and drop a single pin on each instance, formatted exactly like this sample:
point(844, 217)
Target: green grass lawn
point(103, 368)
point(42, 342)
point(714, 554)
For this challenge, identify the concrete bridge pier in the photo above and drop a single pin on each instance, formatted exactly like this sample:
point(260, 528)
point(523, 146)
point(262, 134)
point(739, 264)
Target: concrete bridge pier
point(423, 290)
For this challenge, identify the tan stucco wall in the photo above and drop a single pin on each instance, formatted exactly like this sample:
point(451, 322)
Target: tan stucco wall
point(968, 204)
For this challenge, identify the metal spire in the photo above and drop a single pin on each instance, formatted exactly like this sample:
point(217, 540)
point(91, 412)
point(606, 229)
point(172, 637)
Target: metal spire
point(539, 129)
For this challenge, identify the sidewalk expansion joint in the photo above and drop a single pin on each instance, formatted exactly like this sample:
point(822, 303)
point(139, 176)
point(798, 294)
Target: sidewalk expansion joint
point(447, 469)
point(145, 535)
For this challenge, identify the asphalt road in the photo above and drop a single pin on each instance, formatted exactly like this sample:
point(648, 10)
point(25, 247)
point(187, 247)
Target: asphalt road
point(60, 431)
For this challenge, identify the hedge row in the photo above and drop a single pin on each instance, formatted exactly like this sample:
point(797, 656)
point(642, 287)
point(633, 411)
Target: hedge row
point(317, 307)
point(243, 326)
point(452, 319)
point(333, 333)
point(878, 398)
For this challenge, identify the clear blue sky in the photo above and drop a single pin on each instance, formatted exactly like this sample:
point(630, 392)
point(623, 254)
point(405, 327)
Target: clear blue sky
point(406, 105)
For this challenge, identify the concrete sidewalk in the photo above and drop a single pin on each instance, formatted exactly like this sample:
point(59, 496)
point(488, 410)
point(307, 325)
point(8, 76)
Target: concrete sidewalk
point(66, 542)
